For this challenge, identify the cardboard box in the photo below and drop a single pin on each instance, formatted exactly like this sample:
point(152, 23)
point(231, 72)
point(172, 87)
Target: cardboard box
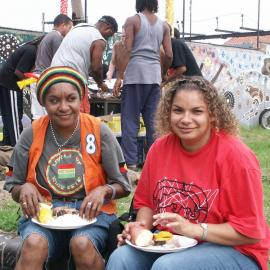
point(114, 122)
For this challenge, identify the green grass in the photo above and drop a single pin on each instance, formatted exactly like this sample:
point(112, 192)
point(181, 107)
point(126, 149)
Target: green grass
point(258, 140)
point(9, 216)
point(123, 204)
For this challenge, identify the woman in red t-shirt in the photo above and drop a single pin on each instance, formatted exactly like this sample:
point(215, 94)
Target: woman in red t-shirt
point(199, 181)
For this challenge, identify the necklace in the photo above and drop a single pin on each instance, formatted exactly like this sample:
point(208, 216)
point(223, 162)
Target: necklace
point(60, 146)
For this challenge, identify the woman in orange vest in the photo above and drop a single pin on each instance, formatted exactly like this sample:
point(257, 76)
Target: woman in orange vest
point(69, 160)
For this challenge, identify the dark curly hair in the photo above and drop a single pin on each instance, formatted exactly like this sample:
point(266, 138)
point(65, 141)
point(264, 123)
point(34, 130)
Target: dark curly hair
point(151, 5)
point(224, 119)
point(110, 21)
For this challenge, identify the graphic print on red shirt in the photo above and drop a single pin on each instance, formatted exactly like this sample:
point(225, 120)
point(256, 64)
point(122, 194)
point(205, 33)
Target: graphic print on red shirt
point(188, 200)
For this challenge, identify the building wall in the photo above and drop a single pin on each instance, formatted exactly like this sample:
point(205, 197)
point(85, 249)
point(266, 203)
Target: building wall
point(237, 72)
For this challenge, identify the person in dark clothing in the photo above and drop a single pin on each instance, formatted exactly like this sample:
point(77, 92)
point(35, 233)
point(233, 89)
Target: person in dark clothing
point(19, 62)
point(184, 62)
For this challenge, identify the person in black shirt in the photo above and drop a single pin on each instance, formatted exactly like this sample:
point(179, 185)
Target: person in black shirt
point(19, 62)
point(184, 62)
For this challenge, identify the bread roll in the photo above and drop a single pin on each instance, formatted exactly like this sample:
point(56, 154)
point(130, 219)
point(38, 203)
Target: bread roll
point(141, 237)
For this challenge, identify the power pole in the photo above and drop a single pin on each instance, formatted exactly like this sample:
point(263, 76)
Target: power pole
point(184, 14)
point(258, 24)
point(77, 11)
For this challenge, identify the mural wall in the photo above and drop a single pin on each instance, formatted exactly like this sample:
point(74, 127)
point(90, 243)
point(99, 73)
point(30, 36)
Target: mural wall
point(11, 39)
point(242, 76)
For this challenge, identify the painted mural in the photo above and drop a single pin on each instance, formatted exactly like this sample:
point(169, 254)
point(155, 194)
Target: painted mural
point(242, 76)
point(12, 39)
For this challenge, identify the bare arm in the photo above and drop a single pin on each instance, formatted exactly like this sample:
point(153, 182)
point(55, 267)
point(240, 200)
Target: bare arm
point(29, 197)
point(167, 54)
point(15, 193)
point(96, 52)
point(145, 215)
point(111, 65)
point(144, 219)
point(223, 234)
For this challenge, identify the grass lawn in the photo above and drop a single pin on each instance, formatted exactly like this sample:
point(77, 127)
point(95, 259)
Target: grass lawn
point(258, 140)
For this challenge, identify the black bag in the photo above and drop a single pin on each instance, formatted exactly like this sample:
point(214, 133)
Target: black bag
point(117, 227)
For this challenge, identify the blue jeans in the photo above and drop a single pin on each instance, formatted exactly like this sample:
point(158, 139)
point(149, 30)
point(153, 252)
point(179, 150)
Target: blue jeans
point(58, 241)
point(206, 256)
point(136, 99)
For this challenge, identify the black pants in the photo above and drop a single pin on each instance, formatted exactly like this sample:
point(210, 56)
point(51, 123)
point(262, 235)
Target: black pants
point(11, 105)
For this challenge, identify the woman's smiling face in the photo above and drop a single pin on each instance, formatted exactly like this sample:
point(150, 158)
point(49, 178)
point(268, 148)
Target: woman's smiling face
point(62, 103)
point(190, 119)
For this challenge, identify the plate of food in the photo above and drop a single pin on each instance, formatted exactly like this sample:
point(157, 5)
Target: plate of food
point(94, 87)
point(60, 218)
point(162, 242)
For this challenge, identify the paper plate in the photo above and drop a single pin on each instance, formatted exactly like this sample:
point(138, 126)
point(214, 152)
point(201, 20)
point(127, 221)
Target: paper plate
point(110, 84)
point(66, 222)
point(185, 242)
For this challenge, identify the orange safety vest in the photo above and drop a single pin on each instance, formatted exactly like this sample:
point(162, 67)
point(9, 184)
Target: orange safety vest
point(94, 174)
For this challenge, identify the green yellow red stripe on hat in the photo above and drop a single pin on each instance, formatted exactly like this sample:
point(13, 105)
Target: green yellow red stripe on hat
point(59, 74)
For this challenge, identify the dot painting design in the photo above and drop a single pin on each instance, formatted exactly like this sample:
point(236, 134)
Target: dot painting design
point(8, 44)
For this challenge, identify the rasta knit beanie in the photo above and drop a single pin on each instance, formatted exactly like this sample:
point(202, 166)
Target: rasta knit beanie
point(59, 74)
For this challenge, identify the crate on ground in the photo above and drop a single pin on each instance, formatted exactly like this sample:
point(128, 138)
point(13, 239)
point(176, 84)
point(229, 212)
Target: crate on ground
point(114, 123)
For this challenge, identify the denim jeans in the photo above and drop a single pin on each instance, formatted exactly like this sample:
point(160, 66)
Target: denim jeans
point(205, 256)
point(58, 240)
point(136, 99)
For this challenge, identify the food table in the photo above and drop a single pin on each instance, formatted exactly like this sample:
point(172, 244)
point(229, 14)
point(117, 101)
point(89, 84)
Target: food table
point(108, 108)
point(104, 106)
point(103, 103)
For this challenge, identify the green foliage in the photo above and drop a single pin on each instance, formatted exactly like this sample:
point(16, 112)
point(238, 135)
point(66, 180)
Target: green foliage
point(258, 140)
point(9, 216)
point(123, 204)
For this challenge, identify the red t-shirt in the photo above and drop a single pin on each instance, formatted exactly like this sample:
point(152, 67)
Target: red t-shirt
point(219, 183)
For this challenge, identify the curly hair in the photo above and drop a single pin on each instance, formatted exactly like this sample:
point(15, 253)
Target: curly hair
point(224, 119)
